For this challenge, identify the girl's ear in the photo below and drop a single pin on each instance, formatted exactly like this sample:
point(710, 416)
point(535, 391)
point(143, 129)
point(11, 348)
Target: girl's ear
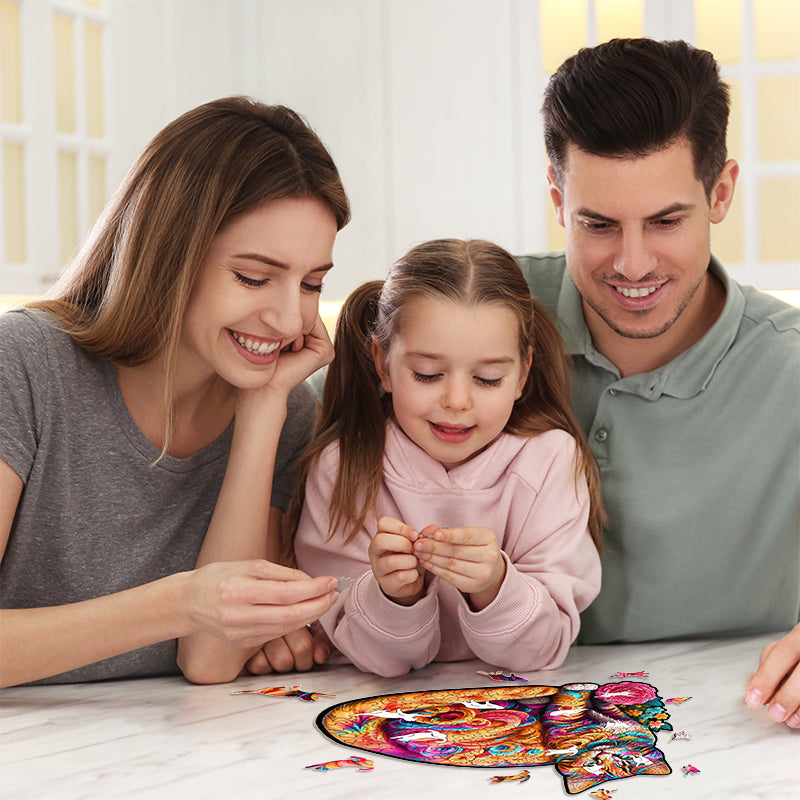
point(379, 357)
point(526, 368)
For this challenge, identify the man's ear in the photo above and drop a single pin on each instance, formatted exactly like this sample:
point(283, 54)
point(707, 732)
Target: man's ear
point(556, 195)
point(379, 357)
point(722, 192)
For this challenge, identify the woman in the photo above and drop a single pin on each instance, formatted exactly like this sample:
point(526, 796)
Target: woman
point(152, 408)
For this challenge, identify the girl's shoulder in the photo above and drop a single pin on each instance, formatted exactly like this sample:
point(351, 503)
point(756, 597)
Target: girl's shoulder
point(553, 441)
point(328, 459)
point(539, 452)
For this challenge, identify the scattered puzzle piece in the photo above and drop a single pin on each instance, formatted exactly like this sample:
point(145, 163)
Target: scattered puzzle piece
point(680, 735)
point(520, 776)
point(501, 676)
point(677, 700)
point(363, 764)
point(282, 691)
point(689, 770)
point(603, 794)
point(641, 674)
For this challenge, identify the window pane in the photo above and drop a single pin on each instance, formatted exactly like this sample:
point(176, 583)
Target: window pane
point(67, 203)
point(97, 186)
point(718, 28)
point(780, 210)
point(64, 66)
point(563, 25)
point(624, 18)
point(96, 4)
point(95, 108)
point(14, 201)
point(10, 63)
point(779, 118)
point(777, 23)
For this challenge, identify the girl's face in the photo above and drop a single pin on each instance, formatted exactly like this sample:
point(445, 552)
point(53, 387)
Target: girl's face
point(454, 373)
point(258, 290)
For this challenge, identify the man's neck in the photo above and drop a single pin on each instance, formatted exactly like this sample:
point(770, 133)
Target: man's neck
point(632, 356)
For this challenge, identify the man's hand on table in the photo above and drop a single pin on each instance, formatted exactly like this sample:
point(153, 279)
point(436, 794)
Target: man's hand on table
point(777, 681)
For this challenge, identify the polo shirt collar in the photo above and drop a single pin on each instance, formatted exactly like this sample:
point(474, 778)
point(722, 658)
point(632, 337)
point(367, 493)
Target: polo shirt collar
point(683, 377)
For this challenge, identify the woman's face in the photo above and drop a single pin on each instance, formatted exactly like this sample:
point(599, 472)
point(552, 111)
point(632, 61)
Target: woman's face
point(257, 290)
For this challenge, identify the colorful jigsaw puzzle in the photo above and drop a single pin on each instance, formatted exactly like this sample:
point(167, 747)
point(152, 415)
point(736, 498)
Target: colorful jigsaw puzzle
point(591, 733)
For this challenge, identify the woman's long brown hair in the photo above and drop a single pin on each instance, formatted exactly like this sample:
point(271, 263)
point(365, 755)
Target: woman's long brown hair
point(355, 409)
point(125, 294)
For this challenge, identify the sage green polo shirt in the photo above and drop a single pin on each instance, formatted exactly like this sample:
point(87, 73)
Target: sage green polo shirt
point(700, 469)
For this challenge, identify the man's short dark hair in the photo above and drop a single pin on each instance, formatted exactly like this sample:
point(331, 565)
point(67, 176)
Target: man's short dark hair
point(634, 97)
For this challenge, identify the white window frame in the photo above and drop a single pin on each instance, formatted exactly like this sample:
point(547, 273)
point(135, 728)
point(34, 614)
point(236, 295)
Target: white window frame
point(42, 142)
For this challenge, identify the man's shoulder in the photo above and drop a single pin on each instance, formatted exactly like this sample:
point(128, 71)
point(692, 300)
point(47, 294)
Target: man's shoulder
point(762, 309)
point(544, 273)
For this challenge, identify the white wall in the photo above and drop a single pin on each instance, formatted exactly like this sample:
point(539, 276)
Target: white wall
point(429, 107)
point(419, 101)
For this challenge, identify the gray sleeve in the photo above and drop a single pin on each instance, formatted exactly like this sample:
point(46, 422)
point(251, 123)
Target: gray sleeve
point(23, 390)
point(296, 435)
point(317, 381)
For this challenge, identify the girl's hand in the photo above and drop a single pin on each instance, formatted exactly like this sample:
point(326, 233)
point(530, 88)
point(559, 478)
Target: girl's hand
point(391, 553)
point(777, 681)
point(251, 602)
point(298, 651)
point(468, 558)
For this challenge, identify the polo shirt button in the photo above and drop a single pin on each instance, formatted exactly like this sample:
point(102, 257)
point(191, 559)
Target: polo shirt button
point(601, 435)
point(613, 392)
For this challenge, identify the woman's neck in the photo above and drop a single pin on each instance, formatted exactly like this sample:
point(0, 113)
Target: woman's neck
point(202, 408)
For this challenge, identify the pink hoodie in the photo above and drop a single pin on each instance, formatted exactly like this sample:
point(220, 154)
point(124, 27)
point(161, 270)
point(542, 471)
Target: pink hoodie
point(521, 488)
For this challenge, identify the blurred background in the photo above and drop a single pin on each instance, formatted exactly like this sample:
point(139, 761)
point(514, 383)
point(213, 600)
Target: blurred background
point(429, 107)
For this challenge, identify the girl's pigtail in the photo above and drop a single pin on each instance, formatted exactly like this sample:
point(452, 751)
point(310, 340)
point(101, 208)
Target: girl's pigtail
point(353, 414)
point(546, 404)
point(354, 411)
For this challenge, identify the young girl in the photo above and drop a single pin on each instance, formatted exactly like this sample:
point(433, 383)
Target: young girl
point(448, 475)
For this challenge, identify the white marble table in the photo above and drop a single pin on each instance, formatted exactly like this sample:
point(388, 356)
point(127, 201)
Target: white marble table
point(164, 738)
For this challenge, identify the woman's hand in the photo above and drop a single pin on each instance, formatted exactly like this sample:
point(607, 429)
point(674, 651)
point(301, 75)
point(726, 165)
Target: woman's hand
point(302, 358)
point(251, 602)
point(393, 562)
point(777, 681)
point(468, 558)
point(298, 651)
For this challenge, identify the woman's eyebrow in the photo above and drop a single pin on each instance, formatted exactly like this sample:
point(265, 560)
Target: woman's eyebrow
point(273, 262)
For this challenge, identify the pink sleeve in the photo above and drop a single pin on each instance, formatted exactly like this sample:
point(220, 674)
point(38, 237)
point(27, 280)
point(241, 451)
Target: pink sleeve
point(371, 631)
point(552, 574)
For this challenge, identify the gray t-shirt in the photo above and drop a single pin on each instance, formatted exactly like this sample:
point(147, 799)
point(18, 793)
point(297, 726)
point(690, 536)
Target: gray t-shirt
point(96, 516)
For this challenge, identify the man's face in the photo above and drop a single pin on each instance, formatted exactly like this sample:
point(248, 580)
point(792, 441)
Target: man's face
point(637, 233)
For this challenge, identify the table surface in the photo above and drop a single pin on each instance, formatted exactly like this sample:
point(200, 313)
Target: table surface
point(165, 738)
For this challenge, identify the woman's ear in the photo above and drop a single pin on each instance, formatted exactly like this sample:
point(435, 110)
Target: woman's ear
point(379, 357)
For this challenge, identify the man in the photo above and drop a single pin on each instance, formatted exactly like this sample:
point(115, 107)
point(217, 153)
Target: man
point(686, 383)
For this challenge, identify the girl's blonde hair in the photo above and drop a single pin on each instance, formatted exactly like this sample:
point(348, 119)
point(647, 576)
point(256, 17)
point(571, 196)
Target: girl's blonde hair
point(355, 410)
point(124, 295)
